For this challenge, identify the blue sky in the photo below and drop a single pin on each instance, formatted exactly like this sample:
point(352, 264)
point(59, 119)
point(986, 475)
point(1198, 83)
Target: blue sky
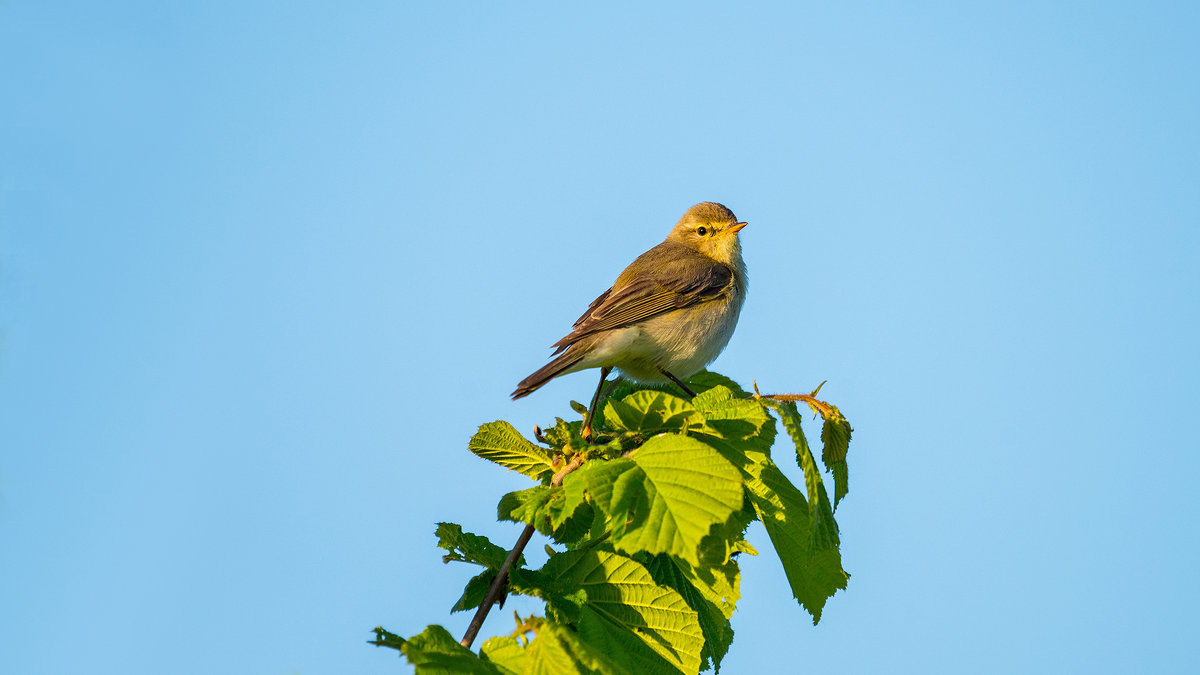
point(264, 269)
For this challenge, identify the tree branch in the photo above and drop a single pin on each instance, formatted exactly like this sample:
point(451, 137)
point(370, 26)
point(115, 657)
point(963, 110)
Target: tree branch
point(501, 581)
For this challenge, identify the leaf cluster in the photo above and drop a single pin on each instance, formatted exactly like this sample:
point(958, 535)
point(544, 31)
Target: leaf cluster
point(643, 574)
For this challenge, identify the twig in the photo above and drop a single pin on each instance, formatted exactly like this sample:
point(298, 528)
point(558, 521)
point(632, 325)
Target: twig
point(501, 581)
point(818, 406)
point(575, 463)
point(495, 589)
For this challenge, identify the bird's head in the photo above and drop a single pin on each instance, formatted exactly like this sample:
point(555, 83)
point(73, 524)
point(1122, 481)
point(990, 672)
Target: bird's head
point(711, 229)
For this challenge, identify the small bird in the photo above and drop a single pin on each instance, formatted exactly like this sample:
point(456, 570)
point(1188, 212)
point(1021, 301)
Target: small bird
point(669, 314)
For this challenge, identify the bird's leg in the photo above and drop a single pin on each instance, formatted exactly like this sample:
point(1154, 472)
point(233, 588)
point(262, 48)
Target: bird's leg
point(591, 413)
point(679, 382)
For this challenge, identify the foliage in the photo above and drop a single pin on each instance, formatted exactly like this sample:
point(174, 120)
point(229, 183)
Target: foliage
point(644, 575)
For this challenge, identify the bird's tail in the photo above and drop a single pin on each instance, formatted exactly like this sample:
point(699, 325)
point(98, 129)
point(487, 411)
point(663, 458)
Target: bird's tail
point(548, 372)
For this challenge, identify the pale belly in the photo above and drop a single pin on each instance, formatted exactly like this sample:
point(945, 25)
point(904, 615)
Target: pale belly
point(681, 342)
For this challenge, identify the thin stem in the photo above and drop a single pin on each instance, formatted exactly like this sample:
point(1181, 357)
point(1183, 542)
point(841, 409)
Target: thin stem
point(501, 581)
point(496, 588)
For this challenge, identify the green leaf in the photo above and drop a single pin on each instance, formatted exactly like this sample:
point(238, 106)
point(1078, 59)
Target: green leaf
point(666, 499)
point(835, 439)
point(529, 506)
point(727, 539)
point(475, 591)
point(467, 547)
point(824, 531)
point(641, 625)
point(499, 442)
point(564, 434)
point(814, 573)
point(436, 652)
point(505, 653)
point(386, 638)
point(712, 592)
point(586, 655)
point(547, 655)
point(577, 527)
point(734, 419)
point(713, 397)
point(553, 511)
point(648, 412)
point(707, 379)
point(595, 480)
point(633, 653)
point(554, 649)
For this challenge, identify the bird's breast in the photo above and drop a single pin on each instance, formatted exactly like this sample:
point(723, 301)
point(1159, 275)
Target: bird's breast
point(682, 342)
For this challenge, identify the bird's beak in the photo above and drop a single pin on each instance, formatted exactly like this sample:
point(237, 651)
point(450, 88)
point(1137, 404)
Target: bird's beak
point(735, 228)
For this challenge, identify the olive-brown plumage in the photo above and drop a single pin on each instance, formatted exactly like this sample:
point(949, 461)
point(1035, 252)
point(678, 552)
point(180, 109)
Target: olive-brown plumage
point(669, 314)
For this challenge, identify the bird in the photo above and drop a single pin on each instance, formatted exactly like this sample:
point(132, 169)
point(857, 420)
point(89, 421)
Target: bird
point(667, 316)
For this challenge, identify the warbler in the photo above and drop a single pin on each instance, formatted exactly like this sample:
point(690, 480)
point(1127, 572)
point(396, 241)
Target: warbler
point(668, 315)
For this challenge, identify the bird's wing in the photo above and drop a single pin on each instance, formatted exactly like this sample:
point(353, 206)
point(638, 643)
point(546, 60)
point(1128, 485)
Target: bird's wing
point(670, 286)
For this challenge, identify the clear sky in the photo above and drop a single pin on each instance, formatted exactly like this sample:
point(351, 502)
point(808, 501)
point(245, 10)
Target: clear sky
point(264, 267)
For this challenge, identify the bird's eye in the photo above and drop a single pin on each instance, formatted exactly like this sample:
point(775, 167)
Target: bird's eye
point(701, 230)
